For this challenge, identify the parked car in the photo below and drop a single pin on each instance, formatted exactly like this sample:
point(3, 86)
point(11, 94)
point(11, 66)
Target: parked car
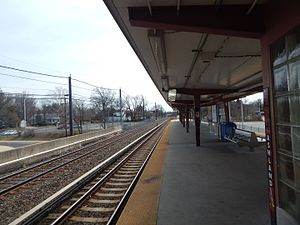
point(9, 133)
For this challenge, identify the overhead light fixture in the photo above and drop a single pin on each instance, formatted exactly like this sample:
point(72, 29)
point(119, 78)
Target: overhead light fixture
point(165, 83)
point(172, 95)
point(157, 43)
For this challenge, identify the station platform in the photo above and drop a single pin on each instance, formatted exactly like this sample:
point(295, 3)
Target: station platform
point(215, 184)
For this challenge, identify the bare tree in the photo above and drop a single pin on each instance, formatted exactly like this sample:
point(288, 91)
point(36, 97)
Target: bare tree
point(137, 105)
point(127, 108)
point(59, 103)
point(78, 108)
point(103, 99)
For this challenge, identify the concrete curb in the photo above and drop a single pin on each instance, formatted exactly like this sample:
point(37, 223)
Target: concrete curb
point(44, 150)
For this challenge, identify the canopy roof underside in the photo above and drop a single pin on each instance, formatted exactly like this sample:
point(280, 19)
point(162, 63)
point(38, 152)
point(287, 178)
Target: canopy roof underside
point(208, 47)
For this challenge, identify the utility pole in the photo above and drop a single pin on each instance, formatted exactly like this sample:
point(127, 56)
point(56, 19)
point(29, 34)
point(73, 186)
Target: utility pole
point(70, 106)
point(65, 103)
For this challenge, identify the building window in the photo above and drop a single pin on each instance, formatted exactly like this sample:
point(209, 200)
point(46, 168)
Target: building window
point(285, 56)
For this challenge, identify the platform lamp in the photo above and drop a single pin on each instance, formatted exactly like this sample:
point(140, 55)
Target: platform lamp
point(157, 44)
point(165, 83)
point(172, 95)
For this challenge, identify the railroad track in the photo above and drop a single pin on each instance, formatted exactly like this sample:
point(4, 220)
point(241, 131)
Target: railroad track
point(99, 197)
point(14, 180)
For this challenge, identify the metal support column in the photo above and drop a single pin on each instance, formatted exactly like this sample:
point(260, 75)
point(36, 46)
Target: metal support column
point(183, 117)
point(70, 106)
point(226, 110)
point(197, 118)
point(180, 115)
point(187, 117)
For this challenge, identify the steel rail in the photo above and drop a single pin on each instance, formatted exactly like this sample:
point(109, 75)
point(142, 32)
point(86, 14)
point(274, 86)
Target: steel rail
point(12, 187)
point(51, 160)
point(61, 156)
point(35, 214)
point(66, 214)
point(116, 214)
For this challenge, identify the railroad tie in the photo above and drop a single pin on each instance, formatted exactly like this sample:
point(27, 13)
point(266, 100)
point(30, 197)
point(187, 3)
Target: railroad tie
point(121, 179)
point(114, 189)
point(124, 175)
point(97, 209)
point(118, 183)
point(103, 201)
point(101, 194)
point(89, 219)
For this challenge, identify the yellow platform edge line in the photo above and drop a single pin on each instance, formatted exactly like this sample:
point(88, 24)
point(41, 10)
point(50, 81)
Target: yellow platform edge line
point(142, 206)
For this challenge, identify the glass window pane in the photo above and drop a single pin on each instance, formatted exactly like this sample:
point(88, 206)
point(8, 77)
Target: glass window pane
point(295, 109)
point(297, 215)
point(278, 52)
point(293, 43)
point(284, 139)
point(286, 169)
point(287, 198)
point(280, 79)
point(294, 75)
point(296, 142)
point(297, 174)
point(283, 109)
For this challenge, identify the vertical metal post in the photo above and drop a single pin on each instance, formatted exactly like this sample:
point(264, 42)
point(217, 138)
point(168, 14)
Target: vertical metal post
point(70, 106)
point(229, 111)
point(218, 120)
point(197, 118)
point(183, 116)
point(180, 115)
point(242, 113)
point(187, 117)
point(66, 131)
point(226, 110)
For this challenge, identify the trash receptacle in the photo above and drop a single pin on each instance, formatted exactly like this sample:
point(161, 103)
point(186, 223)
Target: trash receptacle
point(227, 130)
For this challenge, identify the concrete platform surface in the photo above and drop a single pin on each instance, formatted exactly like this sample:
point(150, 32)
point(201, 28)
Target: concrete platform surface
point(214, 184)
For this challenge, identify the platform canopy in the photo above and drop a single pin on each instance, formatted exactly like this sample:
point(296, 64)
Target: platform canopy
point(196, 47)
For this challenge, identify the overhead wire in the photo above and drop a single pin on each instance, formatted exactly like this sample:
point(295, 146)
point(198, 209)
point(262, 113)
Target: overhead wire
point(32, 72)
point(28, 78)
point(50, 75)
point(31, 64)
point(92, 85)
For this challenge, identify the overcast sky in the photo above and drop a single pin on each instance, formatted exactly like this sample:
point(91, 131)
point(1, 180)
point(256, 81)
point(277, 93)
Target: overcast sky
point(63, 37)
